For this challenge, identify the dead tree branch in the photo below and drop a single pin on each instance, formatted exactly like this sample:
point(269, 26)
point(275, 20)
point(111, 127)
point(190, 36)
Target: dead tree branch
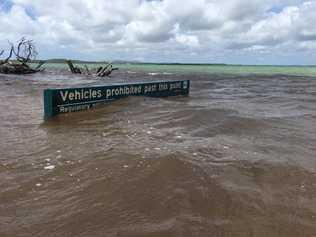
point(40, 64)
point(24, 53)
point(72, 68)
point(87, 70)
point(9, 56)
point(100, 72)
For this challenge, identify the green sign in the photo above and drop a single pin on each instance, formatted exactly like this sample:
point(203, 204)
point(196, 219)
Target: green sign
point(67, 100)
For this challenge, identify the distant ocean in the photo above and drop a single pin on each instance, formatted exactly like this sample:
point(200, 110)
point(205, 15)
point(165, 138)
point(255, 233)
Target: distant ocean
point(198, 68)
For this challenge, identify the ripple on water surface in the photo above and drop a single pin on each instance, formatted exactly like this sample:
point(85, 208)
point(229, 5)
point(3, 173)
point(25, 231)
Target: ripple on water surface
point(235, 158)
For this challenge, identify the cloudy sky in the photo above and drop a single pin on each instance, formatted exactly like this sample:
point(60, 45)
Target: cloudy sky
point(196, 31)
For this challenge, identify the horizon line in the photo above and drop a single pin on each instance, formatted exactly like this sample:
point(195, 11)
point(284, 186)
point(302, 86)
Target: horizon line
point(120, 61)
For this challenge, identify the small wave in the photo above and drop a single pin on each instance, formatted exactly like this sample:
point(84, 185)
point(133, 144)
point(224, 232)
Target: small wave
point(159, 73)
point(153, 73)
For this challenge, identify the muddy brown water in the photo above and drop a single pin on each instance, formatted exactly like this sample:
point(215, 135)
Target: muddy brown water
point(235, 158)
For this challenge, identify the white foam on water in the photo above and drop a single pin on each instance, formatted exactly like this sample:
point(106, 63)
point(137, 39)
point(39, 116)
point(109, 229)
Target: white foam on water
point(49, 167)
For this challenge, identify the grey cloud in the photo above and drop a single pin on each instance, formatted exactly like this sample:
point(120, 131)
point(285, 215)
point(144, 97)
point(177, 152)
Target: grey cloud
point(198, 23)
point(204, 24)
point(306, 36)
point(155, 37)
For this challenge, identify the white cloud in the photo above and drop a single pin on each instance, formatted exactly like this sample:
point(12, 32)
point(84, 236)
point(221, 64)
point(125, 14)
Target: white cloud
point(188, 40)
point(154, 29)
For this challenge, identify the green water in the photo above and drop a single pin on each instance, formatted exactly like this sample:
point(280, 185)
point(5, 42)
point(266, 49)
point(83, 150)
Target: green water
point(212, 69)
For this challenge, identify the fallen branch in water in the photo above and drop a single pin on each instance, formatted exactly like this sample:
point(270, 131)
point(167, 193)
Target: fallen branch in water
point(72, 68)
point(100, 72)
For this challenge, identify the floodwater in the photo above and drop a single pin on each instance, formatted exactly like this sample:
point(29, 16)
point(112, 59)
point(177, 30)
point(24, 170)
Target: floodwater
point(235, 158)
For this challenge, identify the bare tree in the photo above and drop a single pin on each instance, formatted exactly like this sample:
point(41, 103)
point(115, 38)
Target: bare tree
point(24, 53)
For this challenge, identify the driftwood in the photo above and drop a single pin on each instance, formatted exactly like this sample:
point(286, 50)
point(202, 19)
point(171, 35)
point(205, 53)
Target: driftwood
point(17, 68)
point(87, 70)
point(100, 72)
point(72, 68)
point(24, 53)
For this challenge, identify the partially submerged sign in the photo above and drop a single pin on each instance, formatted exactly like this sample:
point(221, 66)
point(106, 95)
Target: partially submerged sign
point(67, 100)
